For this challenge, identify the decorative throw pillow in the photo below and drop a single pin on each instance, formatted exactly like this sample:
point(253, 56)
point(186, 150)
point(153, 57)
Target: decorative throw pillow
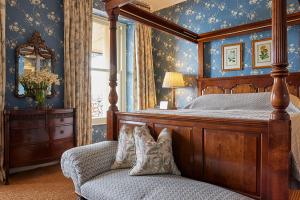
point(153, 157)
point(125, 156)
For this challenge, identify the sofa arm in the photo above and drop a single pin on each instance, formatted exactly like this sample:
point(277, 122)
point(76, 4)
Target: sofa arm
point(83, 163)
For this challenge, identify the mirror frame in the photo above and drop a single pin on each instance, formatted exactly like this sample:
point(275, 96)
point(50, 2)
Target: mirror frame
point(38, 44)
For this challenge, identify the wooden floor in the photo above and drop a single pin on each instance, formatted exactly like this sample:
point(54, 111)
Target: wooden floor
point(49, 184)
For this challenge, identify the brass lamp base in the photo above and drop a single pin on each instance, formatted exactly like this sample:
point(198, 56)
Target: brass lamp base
point(173, 103)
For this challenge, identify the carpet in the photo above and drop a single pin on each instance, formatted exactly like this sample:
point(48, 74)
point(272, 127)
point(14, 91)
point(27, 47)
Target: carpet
point(48, 183)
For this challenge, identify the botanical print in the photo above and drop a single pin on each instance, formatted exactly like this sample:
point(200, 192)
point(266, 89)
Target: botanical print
point(231, 56)
point(174, 54)
point(262, 53)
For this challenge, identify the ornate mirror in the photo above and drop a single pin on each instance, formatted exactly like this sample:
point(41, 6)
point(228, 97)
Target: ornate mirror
point(32, 56)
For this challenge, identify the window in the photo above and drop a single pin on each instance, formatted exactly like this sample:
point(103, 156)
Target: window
point(100, 68)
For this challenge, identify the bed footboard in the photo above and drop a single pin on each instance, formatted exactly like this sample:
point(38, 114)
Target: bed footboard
point(226, 152)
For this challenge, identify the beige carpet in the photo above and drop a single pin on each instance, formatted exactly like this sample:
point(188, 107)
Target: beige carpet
point(41, 184)
point(49, 184)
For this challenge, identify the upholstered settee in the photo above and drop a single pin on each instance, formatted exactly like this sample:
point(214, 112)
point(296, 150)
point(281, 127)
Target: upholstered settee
point(89, 168)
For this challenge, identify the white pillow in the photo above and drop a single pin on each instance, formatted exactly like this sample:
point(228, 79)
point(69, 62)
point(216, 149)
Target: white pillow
point(125, 156)
point(295, 101)
point(153, 157)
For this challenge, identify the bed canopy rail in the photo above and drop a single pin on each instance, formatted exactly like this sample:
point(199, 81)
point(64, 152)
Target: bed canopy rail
point(129, 10)
point(292, 19)
point(279, 131)
point(154, 21)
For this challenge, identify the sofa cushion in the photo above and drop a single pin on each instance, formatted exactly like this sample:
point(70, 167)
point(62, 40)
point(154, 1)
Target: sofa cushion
point(117, 184)
point(153, 157)
point(125, 157)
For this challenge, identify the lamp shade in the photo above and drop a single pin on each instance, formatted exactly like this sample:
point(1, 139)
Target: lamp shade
point(173, 80)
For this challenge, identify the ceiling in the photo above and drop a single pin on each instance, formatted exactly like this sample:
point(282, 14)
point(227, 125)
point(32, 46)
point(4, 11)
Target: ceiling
point(160, 4)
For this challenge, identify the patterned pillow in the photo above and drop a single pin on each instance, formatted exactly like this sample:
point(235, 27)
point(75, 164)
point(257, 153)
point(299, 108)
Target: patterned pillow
point(153, 157)
point(125, 157)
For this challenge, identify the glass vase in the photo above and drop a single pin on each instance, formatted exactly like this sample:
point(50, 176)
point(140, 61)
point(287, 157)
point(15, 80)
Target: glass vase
point(40, 98)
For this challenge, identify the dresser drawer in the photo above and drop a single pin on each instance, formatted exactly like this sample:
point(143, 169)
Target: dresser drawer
point(60, 146)
point(29, 154)
point(27, 124)
point(62, 132)
point(28, 136)
point(59, 121)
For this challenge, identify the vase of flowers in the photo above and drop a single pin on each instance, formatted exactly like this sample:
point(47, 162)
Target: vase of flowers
point(37, 83)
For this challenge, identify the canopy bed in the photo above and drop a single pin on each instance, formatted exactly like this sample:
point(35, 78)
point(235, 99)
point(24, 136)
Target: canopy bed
point(247, 155)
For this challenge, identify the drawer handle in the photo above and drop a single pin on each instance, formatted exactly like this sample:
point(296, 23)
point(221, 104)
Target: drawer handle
point(62, 119)
point(62, 132)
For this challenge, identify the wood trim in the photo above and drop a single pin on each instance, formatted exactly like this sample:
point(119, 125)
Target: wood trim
point(292, 19)
point(113, 96)
point(133, 12)
point(111, 4)
point(241, 57)
point(201, 59)
point(280, 123)
point(253, 53)
point(261, 82)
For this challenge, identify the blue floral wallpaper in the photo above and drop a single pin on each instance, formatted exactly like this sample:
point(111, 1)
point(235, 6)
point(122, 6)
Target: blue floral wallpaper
point(173, 54)
point(23, 18)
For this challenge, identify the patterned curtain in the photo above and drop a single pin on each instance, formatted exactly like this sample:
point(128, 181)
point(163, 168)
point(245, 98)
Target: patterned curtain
point(77, 44)
point(2, 85)
point(144, 93)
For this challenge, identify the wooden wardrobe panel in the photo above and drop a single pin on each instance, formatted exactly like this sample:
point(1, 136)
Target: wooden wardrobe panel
point(182, 147)
point(232, 159)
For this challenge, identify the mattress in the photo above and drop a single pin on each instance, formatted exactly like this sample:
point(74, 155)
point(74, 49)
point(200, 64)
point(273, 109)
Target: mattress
point(254, 106)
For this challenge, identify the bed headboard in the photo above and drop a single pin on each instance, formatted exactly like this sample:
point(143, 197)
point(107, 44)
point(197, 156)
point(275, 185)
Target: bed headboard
point(245, 84)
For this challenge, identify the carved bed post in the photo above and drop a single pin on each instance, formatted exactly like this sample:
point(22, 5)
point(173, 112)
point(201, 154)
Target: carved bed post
point(113, 96)
point(279, 128)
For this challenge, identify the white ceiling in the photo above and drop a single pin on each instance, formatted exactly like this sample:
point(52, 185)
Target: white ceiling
point(160, 4)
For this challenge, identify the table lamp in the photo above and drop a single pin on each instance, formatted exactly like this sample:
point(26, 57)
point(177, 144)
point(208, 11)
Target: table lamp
point(173, 80)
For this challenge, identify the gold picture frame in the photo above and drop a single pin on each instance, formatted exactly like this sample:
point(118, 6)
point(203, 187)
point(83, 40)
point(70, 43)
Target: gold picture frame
point(262, 53)
point(232, 57)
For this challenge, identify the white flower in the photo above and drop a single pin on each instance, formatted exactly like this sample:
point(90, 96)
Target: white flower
point(212, 20)
point(253, 2)
point(269, 4)
point(234, 13)
point(35, 2)
point(49, 31)
point(12, 3)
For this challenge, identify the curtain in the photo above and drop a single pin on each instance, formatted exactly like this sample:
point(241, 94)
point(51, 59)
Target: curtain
point(144, 93)
point(2, 86)
point(77, 44)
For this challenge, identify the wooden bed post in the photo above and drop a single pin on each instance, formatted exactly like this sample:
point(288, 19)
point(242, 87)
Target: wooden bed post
point(113, 96)
point(279, 126)
point(201, 66)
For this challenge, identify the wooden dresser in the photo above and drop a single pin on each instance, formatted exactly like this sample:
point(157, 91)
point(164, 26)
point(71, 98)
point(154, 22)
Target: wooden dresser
point(35, 137)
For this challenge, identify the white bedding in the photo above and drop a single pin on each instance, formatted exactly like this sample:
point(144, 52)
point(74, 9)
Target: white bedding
point(255, 106)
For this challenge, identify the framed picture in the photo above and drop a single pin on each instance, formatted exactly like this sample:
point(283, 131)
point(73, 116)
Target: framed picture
point(163, 105)
point(232, 57)
point(262, 53)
